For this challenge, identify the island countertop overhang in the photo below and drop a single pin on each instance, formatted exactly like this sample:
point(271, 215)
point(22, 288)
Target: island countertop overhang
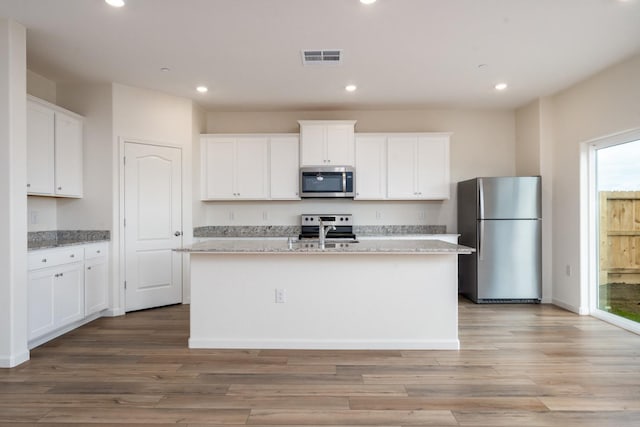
point(368, 246)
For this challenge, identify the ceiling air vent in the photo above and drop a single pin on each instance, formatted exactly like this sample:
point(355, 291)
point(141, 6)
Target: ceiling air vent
point(322, 57)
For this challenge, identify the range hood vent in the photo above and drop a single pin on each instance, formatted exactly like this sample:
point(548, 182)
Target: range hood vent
point(322, 57)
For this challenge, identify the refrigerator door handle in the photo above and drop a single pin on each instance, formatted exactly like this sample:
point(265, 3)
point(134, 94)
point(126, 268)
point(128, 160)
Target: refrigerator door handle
point(481, 197)
point(480, 238)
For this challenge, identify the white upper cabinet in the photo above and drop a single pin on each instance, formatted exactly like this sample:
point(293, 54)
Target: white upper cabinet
point(249, 167)
point(418, 167)
point(40, 149)
point(54, 150)
point(402, 166)
point(327, 142)
point(234, 168)
point(371, 167)
point(68, 156)
point(284, 159)
point(252, 168)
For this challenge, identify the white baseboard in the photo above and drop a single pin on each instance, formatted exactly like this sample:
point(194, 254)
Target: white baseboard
point(325, 345)
point(570, 307)
point(13, 360)
point(114, 312)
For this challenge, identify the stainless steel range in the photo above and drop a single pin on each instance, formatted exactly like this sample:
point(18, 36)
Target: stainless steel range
point(334, 226)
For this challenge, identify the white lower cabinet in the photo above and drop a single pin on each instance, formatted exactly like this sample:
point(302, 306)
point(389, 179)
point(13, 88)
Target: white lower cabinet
point(96, 275)
point(64, 287)
point(56, 298)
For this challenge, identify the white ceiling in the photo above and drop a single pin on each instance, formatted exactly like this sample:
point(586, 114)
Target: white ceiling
point(400, 53)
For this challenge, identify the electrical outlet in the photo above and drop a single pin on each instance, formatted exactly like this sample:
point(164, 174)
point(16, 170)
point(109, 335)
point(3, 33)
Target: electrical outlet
point(232, 216)
point(568, 270)
point(281, 296)
point(265, 216)
point(33, 216)
point(378, 215)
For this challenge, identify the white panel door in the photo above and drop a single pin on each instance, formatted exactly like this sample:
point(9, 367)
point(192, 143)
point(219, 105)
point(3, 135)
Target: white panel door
point(40, 149)
point(153, 226)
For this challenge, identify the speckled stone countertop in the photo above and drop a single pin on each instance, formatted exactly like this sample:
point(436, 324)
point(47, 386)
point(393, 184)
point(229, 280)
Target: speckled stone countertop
point(369, 246)
point(294, 230)
point(58, 238)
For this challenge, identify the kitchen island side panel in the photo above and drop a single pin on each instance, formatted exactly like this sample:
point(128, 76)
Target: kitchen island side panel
point(382, 301)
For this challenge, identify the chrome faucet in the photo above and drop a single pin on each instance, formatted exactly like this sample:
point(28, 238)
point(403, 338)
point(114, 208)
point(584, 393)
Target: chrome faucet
point(323, 230)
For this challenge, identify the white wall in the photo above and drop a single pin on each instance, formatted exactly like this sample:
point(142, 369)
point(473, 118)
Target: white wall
point(41, 87)
point(482, 144)
point(13, 184)
point(606, 103)
point(42, 211)
point(141, 115)
point(533, 144)
point(93, 211)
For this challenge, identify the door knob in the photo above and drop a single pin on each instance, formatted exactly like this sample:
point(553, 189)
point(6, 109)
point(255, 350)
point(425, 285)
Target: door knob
point(177, 233)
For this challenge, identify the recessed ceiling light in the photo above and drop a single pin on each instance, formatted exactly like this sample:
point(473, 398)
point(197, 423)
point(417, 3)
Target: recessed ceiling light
point(367, 1)
point(202, 89)
point(165, 69)
point(500, 86)
point(115, 3)
point(350, 88)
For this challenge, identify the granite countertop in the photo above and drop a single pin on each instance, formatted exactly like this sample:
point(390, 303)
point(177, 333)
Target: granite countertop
point(59, 238)
point(369, 246)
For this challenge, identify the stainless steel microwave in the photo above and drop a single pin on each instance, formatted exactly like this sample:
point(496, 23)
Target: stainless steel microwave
point(327, 181)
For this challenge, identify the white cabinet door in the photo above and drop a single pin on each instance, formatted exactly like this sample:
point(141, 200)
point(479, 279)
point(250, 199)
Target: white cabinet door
point(68, 156)
point(433, 168)
point(401, 154)
point(217, 168)
point(340, 145)
point(54, 150)
point(68, 294)
point(96, 277)
point(95, 285)
point(327, 142)
point(56, 298)
point(251, 168)
point(40, 302)
point(371, 168)
point(40, 149)
point(284, 168)
point(313, 149)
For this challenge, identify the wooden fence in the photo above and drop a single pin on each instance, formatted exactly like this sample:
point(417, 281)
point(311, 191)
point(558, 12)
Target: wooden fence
point(619, 237)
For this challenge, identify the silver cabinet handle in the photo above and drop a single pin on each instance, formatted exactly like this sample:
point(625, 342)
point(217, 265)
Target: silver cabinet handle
point(88, 268)
point(28, 185)
point(177, 233)
point(98, 251)
point(44, 260)
point(72, 256)
point(59, 188)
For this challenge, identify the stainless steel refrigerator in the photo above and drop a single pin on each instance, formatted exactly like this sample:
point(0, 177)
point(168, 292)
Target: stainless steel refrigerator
point(501, 218)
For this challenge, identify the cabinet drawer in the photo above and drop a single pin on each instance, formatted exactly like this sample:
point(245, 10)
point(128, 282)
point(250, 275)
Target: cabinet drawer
point(96, 250)
point(53, 257)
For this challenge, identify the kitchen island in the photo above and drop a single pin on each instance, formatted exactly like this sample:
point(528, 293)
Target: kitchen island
point(374, 294)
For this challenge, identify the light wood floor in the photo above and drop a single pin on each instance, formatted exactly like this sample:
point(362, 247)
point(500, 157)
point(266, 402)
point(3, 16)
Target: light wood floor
point(520, 365)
